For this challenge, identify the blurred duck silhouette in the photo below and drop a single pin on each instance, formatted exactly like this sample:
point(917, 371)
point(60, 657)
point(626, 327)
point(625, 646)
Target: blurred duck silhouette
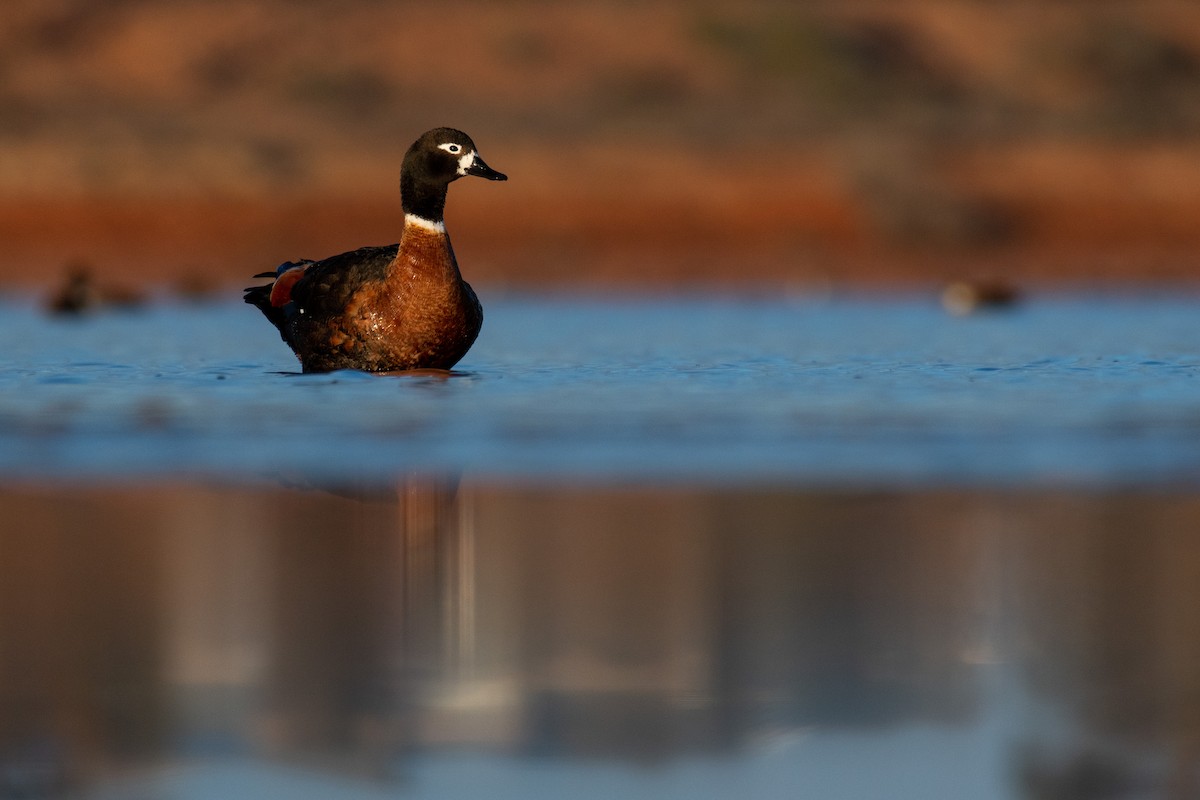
point(81, 293)
point(965, 297)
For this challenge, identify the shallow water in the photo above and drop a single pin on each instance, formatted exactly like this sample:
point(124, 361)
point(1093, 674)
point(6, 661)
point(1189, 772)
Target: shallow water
point(1096, 390)
point(507, 641)
point(697, 548)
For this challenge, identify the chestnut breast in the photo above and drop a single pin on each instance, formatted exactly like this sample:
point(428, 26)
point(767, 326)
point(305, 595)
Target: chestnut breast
point(421, 314)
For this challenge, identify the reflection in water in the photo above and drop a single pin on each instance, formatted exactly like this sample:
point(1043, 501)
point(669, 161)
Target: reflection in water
point(446, 640)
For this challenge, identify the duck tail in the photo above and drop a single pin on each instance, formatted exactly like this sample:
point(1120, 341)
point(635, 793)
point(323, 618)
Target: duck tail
point(266, 297)
point(260, 298)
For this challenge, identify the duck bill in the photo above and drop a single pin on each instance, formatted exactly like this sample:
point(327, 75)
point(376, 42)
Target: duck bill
point(481, 170)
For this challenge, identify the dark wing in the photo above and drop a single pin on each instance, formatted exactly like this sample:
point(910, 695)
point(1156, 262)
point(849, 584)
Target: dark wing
point(326, 287)
point(260, 296)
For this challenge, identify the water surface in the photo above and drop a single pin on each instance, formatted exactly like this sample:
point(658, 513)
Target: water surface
point(691, 547)
point(1085, 390)
point(493, 640)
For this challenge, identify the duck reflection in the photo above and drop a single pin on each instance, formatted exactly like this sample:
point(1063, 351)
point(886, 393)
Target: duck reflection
point(151, 625)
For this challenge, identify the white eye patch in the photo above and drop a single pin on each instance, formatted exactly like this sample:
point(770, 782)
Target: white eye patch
point(464, 161)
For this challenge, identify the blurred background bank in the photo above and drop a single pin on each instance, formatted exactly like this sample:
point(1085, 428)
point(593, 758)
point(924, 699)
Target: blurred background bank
point(666, 144)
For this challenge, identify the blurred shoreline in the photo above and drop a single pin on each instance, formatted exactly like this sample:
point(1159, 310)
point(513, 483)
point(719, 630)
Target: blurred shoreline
point(667, 144)
point(155, 242)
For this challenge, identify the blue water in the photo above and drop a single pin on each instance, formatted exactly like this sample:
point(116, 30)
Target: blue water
point(1071, 389)
point(795, 607)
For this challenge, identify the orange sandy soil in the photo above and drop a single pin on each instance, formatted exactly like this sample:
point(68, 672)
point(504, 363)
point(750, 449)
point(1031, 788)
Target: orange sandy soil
point(797, 230)
point(668, 144)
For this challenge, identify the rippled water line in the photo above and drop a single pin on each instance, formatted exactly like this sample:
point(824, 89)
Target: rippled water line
point(1090, 390)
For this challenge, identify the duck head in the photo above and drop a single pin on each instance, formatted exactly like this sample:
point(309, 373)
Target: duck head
point(444, 154)
point(434, 161)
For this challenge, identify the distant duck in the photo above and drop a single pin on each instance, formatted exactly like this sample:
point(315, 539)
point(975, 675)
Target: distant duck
point(382, 309)
point(81, 293)
point(964, 297)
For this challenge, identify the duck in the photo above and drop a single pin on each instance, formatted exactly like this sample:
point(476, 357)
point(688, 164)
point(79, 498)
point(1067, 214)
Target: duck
point(390, 308)
point(963, 297)
point(80, 293)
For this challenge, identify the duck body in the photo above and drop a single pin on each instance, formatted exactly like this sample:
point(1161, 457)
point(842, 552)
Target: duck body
point(377, 309)
point(81, 293)
point(397, 307)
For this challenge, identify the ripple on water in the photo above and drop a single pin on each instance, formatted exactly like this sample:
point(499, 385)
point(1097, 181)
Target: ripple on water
point(1094, 390)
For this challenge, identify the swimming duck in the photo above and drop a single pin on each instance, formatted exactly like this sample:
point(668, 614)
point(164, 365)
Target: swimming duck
point(964, 297)
point(382, 309)
point(81, 293)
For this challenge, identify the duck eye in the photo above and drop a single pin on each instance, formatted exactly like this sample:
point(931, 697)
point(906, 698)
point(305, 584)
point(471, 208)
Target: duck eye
point(452, 148)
